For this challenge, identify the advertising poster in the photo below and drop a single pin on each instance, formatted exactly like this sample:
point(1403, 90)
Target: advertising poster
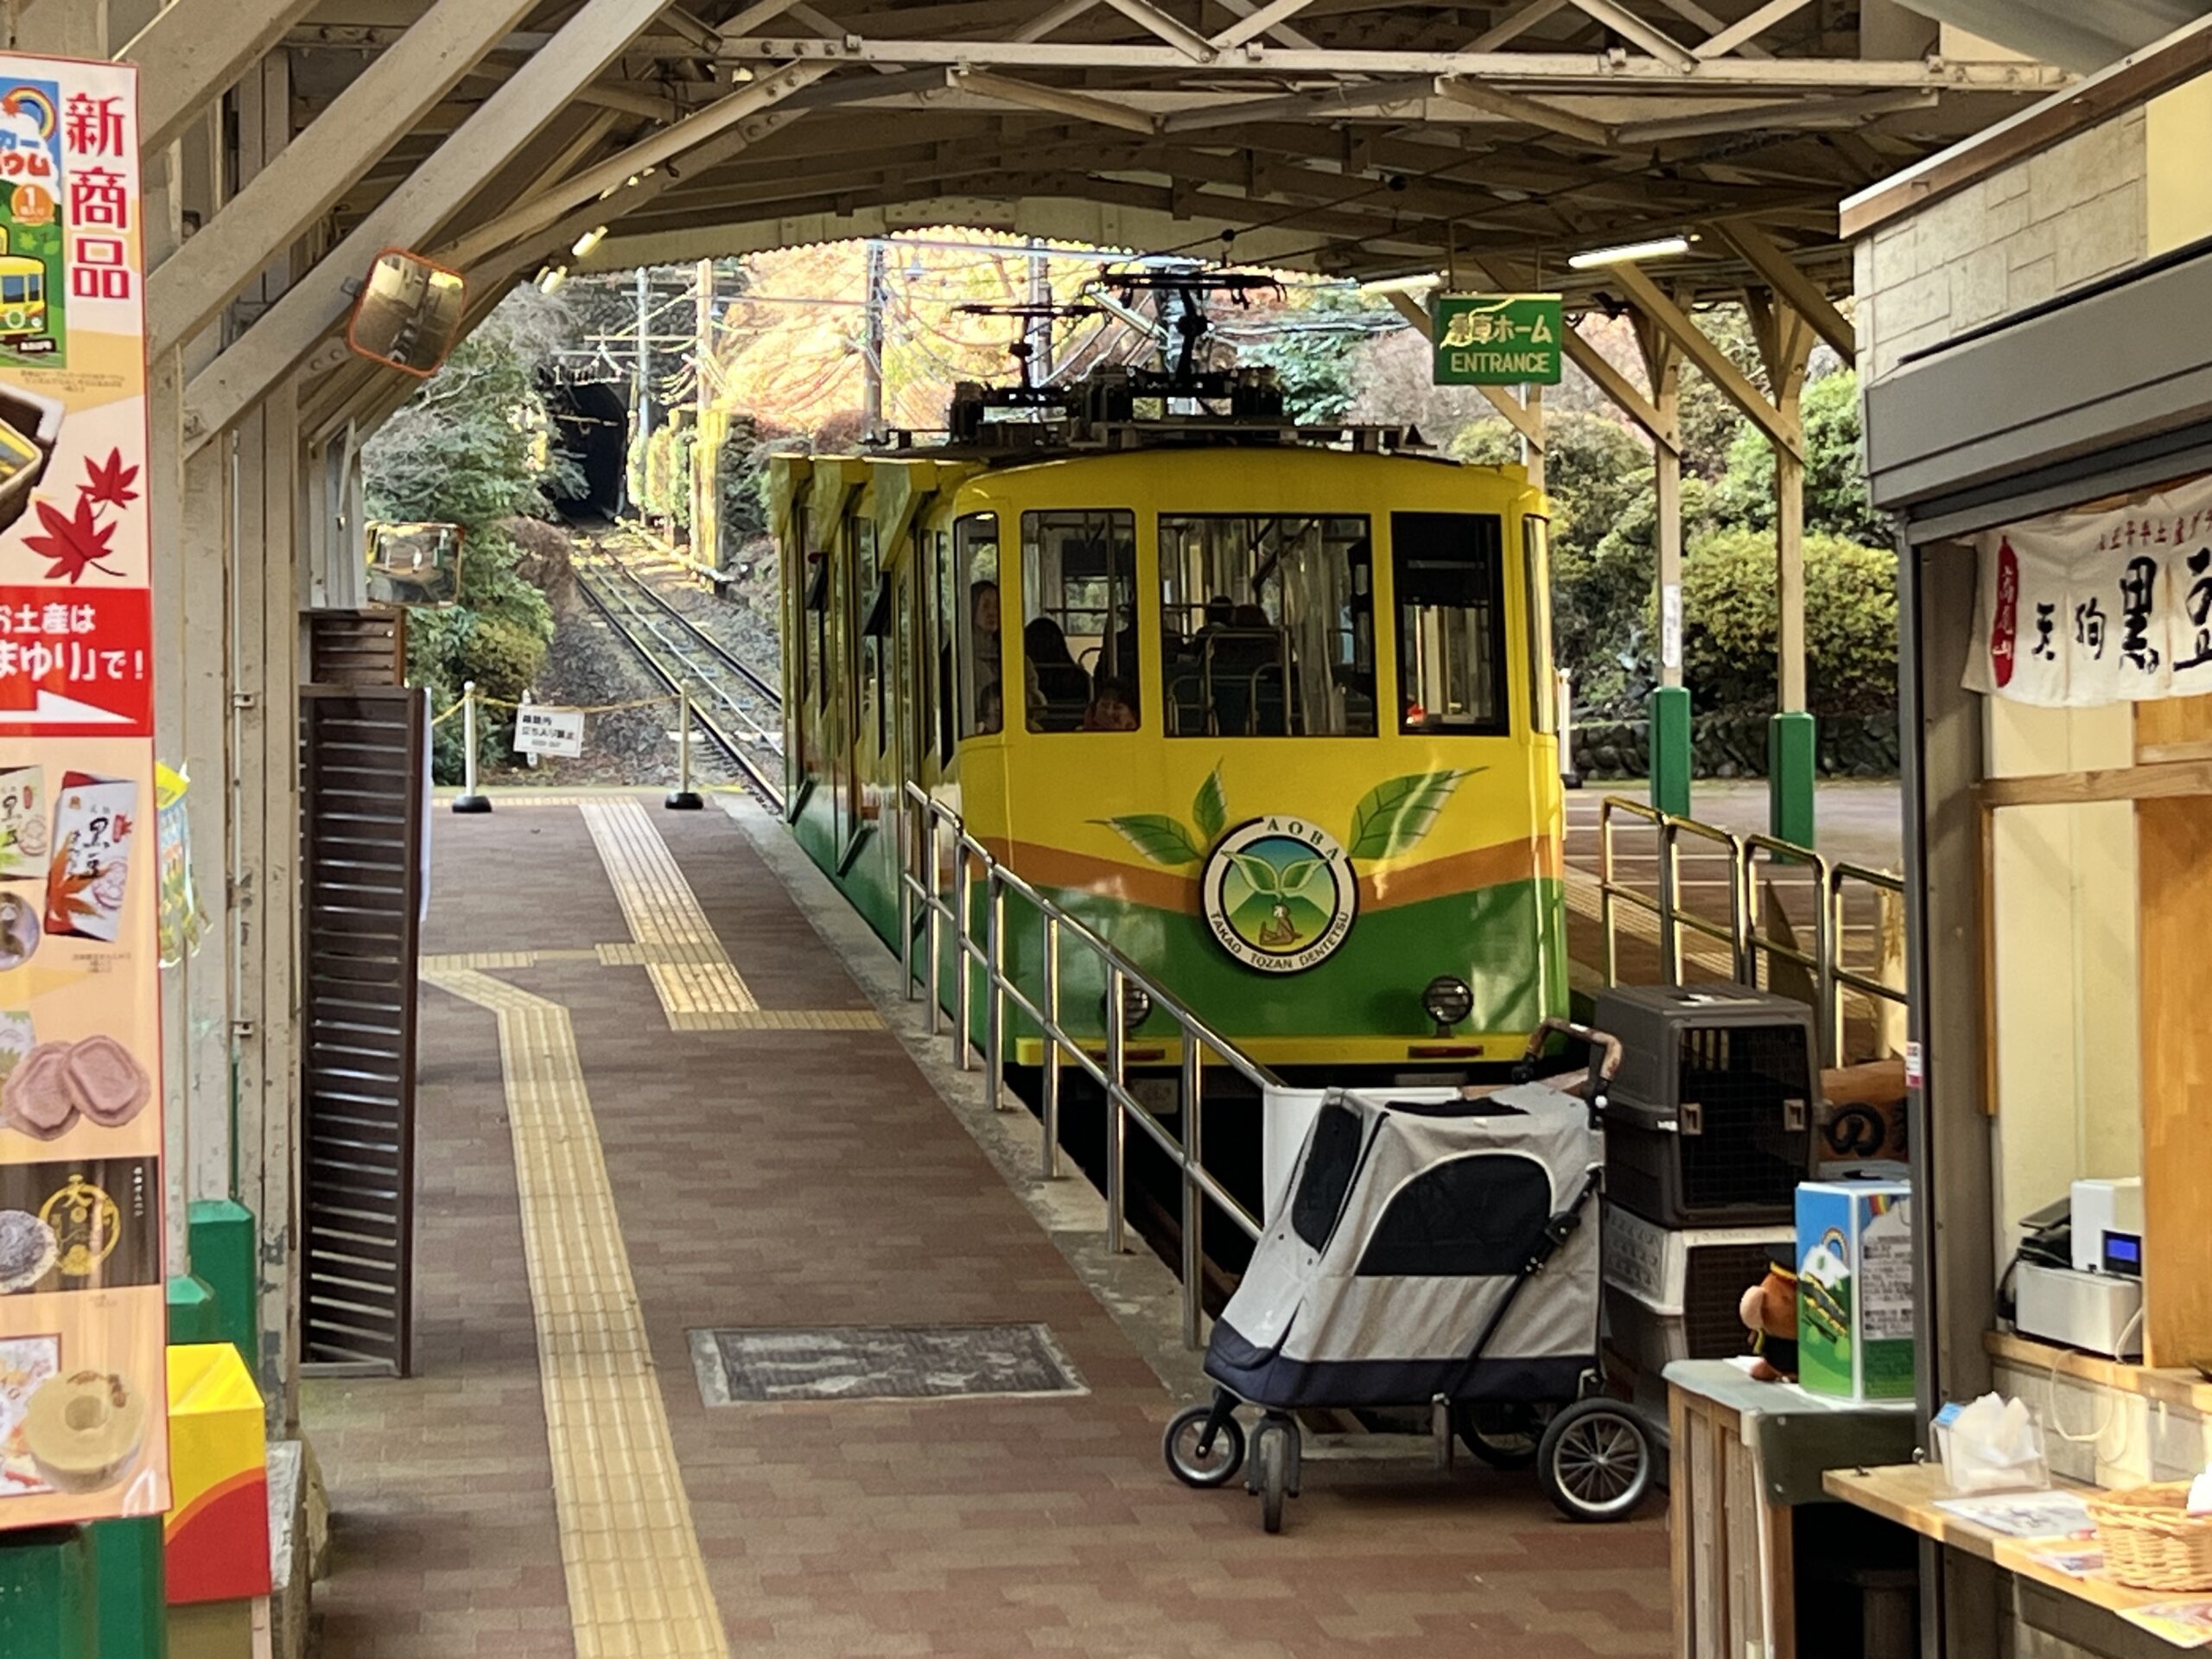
point(83, 1391)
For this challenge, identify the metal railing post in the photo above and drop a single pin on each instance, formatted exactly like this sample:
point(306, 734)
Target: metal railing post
point(1194, 1203)
point(1670, 926)
point(470, 799)
point(994, 981)
point(1605, 890)
point(1049, 1108)
point(964, 994)
point(1828, 936)
point(1118, 1128)
point(904, 831)
point(935, 931)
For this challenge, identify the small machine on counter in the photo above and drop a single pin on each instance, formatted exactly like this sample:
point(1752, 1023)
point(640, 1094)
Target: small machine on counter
point(2079, 1280)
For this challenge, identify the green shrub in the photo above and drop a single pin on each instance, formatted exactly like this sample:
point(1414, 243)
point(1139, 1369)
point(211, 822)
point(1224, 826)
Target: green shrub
point(1731, 610)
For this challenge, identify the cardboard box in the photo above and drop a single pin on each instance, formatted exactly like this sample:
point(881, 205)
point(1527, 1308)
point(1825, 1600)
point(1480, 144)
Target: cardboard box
point(1854, 1289)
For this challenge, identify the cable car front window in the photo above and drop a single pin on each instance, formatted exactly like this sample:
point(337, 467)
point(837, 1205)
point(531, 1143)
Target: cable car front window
point(1079, 632)
point(1268, 625)
point(1447, 579)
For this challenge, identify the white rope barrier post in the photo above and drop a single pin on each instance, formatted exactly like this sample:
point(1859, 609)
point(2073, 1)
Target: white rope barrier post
point(683, 798)
point(529, 760)
point(470, 799)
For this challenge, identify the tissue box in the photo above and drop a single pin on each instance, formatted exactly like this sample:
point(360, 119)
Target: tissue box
point(1854, 1289)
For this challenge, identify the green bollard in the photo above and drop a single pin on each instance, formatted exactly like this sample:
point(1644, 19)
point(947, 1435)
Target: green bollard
point(1792, 764)
point(133, 1589)
point(223, 1254)
point(49, 1593)
point(193, 1316)
point(1668, 711)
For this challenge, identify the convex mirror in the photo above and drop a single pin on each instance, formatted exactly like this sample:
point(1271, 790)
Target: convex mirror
point(415, 565)
point(408, 313)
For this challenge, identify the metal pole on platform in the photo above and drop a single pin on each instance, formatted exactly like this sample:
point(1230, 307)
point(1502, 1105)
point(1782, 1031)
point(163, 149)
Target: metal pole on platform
point(1194, 1202)
point(1049, 1162)
point(993, 974)
point(963, 999)
point(906, 830)
point(932, 929)
point(683, 798)
point(1117, 1128)
point(470, 799)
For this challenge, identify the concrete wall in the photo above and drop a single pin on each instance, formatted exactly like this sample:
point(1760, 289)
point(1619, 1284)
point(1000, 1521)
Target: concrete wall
point(2067, 216)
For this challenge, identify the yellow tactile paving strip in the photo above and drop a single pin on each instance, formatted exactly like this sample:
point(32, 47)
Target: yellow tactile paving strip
point(697, 985)
point(637, 1584)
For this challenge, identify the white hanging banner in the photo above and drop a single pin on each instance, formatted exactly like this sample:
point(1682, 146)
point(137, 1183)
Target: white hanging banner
point(2109, 605)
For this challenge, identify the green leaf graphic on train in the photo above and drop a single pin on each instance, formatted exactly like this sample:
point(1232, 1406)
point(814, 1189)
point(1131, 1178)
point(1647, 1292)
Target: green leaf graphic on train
point(1211, 808)
point(1391, 818)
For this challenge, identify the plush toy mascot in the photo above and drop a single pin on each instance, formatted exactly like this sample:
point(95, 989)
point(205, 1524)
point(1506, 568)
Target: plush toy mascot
point(1770, 1313)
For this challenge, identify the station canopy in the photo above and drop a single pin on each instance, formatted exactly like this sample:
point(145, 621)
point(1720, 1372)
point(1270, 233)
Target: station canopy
point(1346, 137)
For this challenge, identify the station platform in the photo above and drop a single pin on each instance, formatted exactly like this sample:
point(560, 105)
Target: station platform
point(666, 1087)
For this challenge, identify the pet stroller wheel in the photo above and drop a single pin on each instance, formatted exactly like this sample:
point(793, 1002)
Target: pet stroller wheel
point(1504, 1436)
point(1595, 1461)
point(1197, 1460)
point(1271, 1454)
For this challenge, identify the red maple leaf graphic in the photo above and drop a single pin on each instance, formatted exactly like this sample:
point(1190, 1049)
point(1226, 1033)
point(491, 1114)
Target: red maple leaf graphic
point(74, 544)
point(109, 481)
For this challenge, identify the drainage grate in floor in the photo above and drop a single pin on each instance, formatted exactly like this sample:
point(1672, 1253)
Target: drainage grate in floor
point(892, 1362)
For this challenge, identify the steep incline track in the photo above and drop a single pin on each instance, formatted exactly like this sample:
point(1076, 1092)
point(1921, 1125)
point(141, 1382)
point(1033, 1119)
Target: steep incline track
point(736, 707)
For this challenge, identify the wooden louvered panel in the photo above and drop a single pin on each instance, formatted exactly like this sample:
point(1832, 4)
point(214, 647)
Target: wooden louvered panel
point(361, 836)
point(358, 648)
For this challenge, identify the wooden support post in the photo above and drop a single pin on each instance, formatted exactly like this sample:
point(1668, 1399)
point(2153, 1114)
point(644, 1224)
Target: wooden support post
point(264, 687)
point(1532, 433)
point(1785, 340)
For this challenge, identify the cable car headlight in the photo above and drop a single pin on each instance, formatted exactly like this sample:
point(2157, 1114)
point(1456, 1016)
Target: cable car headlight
point(1136, 1005)
point(1448, 1001)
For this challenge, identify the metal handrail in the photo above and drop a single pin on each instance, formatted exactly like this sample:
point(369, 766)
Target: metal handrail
point(1748, 948)
point(1843, 978)
point(941, 827)
point(1666, 908)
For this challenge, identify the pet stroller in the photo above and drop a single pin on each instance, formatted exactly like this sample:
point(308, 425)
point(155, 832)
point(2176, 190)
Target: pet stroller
point(1432, 1249)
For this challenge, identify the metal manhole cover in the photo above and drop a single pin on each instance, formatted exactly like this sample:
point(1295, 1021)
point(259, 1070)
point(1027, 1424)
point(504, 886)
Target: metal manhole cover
point(879, 1362)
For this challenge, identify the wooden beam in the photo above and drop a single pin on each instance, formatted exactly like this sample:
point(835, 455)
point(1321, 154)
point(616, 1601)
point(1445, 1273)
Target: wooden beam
point(1755, 22)
point(1257, 24)
point(610, 179)
point(1696, 345)
point(1802, 114)
point(2172, 780)
point(1633, 29)
point(1054, 100)
point(1157, 23)
point(1512, 28)
point(1528, 112)
point(309, 174)
point(1796, 288)
point(1691, 12)
point(1581, 70)
point(190, 54)
point(1053, 17)
point(262, 358)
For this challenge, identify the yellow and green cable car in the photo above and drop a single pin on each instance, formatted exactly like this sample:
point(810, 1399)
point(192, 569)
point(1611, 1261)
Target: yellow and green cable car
point(1274, 717)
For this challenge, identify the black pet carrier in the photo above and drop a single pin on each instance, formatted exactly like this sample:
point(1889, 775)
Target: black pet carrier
point(1712, 1122)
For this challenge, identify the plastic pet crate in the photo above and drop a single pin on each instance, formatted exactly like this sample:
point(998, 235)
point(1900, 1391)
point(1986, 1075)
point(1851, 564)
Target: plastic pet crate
point(1675, 1293)
point(1712, 1116)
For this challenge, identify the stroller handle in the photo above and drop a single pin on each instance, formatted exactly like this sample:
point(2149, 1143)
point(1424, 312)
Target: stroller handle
point(1609, 1044)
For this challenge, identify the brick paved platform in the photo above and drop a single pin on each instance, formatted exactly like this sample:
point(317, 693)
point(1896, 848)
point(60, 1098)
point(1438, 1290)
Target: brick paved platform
point(752, 1174)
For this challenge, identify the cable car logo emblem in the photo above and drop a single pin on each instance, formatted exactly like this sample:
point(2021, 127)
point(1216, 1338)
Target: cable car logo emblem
point(1279, 894)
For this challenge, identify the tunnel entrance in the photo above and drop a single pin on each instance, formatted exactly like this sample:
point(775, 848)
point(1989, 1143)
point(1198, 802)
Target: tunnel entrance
point(592, 423)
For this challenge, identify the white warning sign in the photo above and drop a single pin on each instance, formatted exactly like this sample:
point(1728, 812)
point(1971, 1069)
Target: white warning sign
point(548, 731)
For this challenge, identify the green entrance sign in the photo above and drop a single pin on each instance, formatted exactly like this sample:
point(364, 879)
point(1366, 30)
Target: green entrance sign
point(1498, 339)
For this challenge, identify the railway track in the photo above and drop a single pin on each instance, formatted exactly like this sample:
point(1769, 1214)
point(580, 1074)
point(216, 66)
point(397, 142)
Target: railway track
point(734, 706)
